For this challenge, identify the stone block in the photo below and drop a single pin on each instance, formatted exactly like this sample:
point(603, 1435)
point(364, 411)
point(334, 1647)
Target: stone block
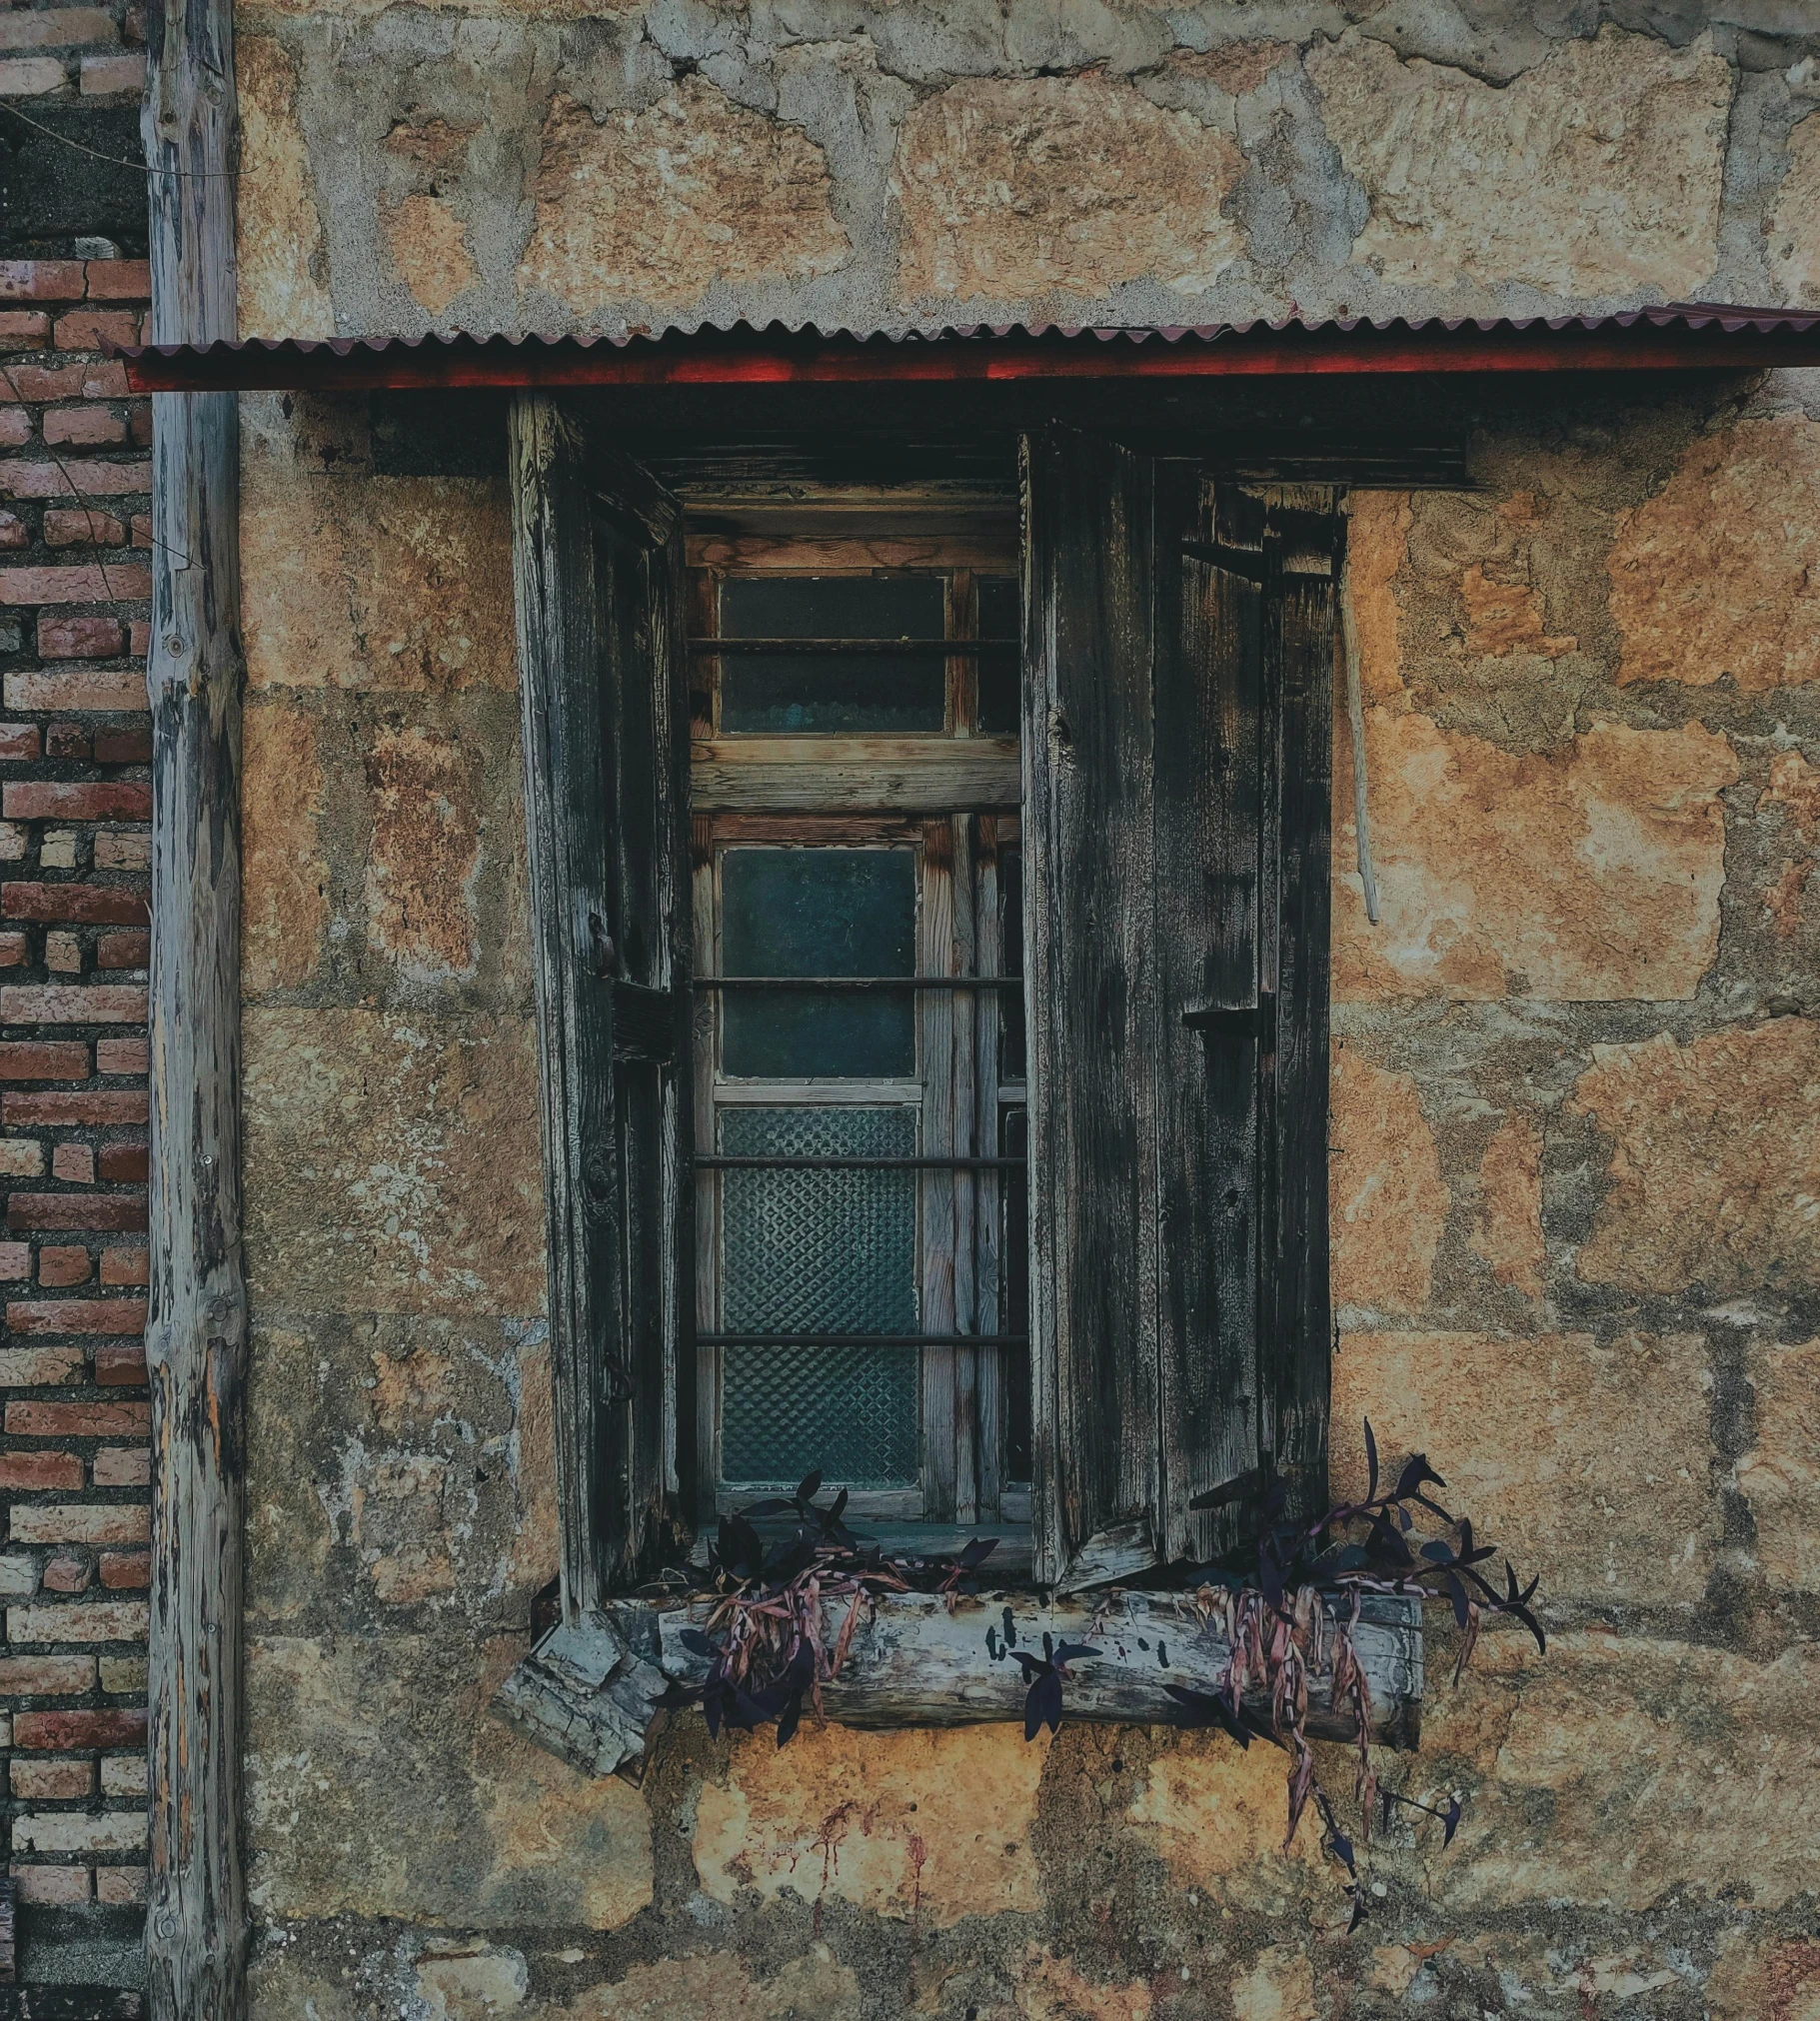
point(931, 1822)
point(1596, 171)
point(1387, 1200)
point(1011, 189)
point(655, 206)
point(1717, 577)
point(481, 1827)
point(1780, 1476)
point(284, 878)
point(1716, 1164)
point(1583, 874)
point(1215, 1816)
point(1617, 1769)
point(1792, 226)
point(378, 583)
point(392, 1163)
point(718, 1986)
point(424, 793)
point(1587, 1462)
point(283, 254)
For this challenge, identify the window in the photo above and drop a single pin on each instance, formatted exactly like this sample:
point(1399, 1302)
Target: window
point(933, 1035)
point(858, 1041)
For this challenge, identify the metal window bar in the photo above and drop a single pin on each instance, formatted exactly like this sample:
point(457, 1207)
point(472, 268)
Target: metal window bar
point(716, 1163)
point(724, 983)
point(713, 649)
point(863, 1339)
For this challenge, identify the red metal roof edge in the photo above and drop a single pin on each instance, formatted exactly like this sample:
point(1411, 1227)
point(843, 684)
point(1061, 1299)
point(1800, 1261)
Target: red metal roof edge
point(1676, 335)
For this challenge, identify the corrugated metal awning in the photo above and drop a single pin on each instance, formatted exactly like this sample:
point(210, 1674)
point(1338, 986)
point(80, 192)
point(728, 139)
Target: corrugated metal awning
point(1681, 337)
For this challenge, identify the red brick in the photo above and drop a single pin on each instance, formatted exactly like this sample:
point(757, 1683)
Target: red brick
point(139, 643)
point(119, 280)
point(81, 799)
point(77, 1420)
point(53, 1780)
point(120, 1364)
point(125, 1267)
point(74, 1164)
point(73, 1004)
point(61, 1267)
point(44, 1059)
point(15, 1260)
point(15, 433)
point(42, 281)
point(123, 1886)
point(121, 1055)
point(81, 1522)
point(66, 1574)
point(123, 1466)
point(13, 951)
point(101, 380)
point(31, 1319)
point(87, 905)
point(18, 740)
point(40, 1368)
point(84, 427)
point(53, 480)
point(82, 526)
point(51, 1887)
point(123, 746)
point(121, 950)
point(14, 533)
point(122, 1165)
point(92, 583)
point(126, 1571)
point(67, 740)
point(63, 1111)
point(56, 27)
point(23, 329)
point(45, 1677)
point(121, 1212)
point(58, 1732)
point(78, 638)
point(110, 75)
point(23, 1471)
point(88, 329)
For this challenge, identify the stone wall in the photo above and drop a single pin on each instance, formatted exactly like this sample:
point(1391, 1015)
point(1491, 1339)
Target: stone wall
point(1576, 1146)
point(1576, 1072)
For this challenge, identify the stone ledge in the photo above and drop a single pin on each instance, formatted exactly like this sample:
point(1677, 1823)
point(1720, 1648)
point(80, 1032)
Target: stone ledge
point(590, 1692)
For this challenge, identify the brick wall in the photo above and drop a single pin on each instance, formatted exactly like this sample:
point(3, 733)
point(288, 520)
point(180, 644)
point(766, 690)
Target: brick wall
point(74, 848)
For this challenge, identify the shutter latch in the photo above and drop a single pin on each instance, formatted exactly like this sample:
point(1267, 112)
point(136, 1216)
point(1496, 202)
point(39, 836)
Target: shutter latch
point(1248, 1020)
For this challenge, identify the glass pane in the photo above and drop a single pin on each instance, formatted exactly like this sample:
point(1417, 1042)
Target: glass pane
point(818, 912)
point(805, 693)
point(1001, 674)
point(819, 1252)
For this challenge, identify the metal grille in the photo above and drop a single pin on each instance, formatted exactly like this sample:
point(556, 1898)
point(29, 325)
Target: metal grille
point(819, 1252)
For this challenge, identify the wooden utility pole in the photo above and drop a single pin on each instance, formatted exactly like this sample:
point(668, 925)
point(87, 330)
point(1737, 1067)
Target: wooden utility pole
point(196, 1339)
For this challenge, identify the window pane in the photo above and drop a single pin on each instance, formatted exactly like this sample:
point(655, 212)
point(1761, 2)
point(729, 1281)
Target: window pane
point(804, 693)
point(1015, 1142)
point(1001, 674)
point(1010, 1001)
point(819, 1252)
point(818, 912)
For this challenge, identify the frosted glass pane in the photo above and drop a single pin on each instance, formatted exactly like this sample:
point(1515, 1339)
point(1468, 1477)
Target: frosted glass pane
point(818, 912)
point(819, 1252)
point(1001, 674)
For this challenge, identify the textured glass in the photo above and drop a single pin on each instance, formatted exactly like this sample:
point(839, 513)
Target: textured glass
point(818, 912)
point(833, 693)
point(819, 1252)
point(1001, 674)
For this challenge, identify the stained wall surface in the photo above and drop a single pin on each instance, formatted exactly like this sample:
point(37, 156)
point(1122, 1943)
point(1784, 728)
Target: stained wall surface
point(1577, 1070)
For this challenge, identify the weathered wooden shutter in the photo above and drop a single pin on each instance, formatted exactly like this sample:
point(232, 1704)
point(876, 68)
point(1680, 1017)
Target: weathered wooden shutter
point(1177, 737)
point(598, 549)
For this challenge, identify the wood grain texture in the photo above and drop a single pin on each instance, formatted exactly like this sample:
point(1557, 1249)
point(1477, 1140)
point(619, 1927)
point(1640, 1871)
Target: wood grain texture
point(1088, 924)
point(196, 1331)
point(764, 775)
point(598, 591)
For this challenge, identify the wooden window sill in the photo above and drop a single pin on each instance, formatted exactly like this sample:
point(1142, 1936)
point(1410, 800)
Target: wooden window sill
point(590, 1692)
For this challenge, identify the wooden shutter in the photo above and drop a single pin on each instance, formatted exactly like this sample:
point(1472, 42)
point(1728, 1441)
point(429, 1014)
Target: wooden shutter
point(598, 551)
point(1178, 738)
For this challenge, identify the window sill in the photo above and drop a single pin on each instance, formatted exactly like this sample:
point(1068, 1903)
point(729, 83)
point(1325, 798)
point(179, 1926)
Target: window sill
point(590, 1692)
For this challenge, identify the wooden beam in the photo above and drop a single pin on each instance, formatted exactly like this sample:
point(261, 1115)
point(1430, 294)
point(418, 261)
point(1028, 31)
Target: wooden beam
point(590, 1692)
point(195, 1337)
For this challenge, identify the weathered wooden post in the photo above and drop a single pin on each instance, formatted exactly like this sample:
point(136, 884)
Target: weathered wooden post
point(196, 1339)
